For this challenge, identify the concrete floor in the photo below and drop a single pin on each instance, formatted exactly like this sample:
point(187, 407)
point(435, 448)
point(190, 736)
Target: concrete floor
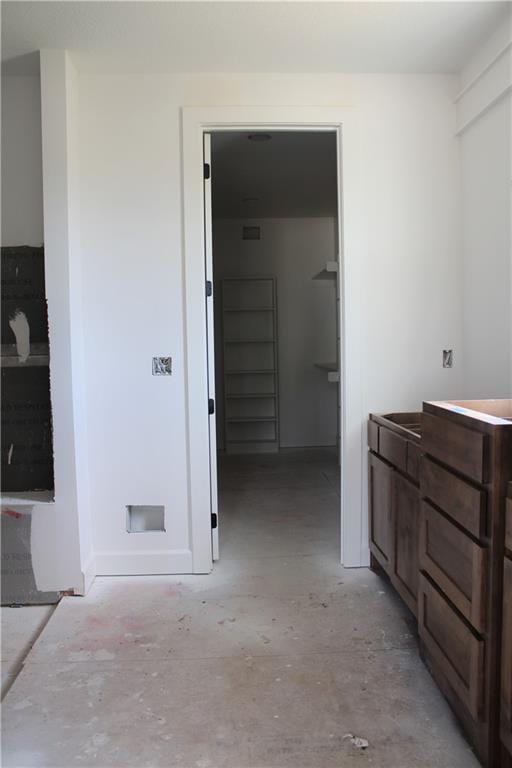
point(279, 658)
point(21, 627)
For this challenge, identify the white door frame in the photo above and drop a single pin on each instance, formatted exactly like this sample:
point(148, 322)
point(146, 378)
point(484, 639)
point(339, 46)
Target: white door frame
point(195, 121)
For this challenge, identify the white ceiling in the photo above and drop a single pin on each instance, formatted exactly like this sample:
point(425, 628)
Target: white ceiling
point(266, 36)
point(292, 175)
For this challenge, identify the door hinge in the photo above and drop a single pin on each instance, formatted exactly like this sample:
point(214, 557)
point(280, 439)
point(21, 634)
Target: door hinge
point(209, 288)
point(211, 406)
point(207, 170)
point(214, 519)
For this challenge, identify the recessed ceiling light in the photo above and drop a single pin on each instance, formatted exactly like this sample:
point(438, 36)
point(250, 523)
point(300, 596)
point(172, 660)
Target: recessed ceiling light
point(259, 137)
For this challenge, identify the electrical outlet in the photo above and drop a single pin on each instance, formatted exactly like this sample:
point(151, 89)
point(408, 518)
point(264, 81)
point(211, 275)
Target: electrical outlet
point(162, 366)
point(447, 358)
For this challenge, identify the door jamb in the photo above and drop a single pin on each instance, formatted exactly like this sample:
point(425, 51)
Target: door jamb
point(195, 121)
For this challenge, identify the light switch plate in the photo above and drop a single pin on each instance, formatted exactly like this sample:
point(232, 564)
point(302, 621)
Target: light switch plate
point(162, 366)
point(447, 358)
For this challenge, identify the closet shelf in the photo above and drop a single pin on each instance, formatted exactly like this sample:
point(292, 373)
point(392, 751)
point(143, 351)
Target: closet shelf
point(333, 374)
point(329, 272)
point(253, 370)
point(249, 341)
point(249, 419)
point(250, 349)
point(249, 309)
point(251, 396)
point(232, 441)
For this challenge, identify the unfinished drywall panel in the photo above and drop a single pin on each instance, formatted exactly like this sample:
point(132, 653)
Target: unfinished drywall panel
point(18, 581)
point(131, 206)
point(295, 250)
point(22, 180)
point(484, 119)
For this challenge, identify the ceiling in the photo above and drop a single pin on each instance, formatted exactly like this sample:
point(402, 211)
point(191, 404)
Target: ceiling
point(291, 175)
point(315, 36)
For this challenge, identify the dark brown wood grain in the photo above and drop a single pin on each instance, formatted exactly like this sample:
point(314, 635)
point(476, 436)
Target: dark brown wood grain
point(506, 658)
point(373, 436)
point(379, 490)
point(508, 522)
point(393, 448)
point(405, 520)
point(413, 460)
point(456, 446)
point(455, 563)
point(463, 502)
point(458, 653)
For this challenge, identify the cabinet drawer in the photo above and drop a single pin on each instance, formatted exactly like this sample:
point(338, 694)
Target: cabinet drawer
point(456, 563)
point(463, 449)
point(393, 448)
point(373, 436)
point(506, 657)
point(414, 452)
point(508, 524)
point(454, 650)
point(461, 501)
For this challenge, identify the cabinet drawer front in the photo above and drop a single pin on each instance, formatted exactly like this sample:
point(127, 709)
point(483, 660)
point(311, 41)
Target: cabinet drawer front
point(508, 524)
point(456, 564)
point(413, 460)
point(461, 501)
point(463, 449)
point(393, 448)
point(506, 655)
point(380, 478)
point(373, 436)
point(455, 651)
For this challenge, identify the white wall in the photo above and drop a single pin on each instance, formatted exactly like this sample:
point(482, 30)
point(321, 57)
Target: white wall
point(22, 177)
point(485, 146)
point(131, 241)
point(292, 250)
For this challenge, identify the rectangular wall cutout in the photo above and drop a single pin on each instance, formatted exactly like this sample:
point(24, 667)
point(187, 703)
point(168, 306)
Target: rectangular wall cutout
point(142, 518)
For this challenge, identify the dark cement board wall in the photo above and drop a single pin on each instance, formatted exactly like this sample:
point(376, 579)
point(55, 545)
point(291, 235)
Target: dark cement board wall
point(27, 451)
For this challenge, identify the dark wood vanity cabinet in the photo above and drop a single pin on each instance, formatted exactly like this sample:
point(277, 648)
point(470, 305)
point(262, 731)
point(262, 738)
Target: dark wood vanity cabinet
point(441, 529)
point(393, 472)
point(465, 468)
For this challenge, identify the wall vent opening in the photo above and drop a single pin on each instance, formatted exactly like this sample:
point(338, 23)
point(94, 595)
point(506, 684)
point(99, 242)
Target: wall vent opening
point(251, 233)
point(141, 518)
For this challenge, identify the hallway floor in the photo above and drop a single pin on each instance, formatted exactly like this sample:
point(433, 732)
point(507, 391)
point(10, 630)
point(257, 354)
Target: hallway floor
point(279, 658)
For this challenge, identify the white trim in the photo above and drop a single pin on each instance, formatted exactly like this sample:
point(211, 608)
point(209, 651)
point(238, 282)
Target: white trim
point(196, 120)
point(481, 112)
point(143, 563)
point(482, 72)
point(88, 574)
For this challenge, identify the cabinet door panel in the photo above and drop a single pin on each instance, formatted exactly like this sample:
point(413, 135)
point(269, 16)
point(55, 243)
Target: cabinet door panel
point(406, 507)
point(508, 523)
point(456, 563)
point(460, 500)
point(459, 447)
point(506, 658)
point(380, 476)
point(454, 650)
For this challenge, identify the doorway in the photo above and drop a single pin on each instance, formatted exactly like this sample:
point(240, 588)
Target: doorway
point(351, 170)
point(272, 199)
